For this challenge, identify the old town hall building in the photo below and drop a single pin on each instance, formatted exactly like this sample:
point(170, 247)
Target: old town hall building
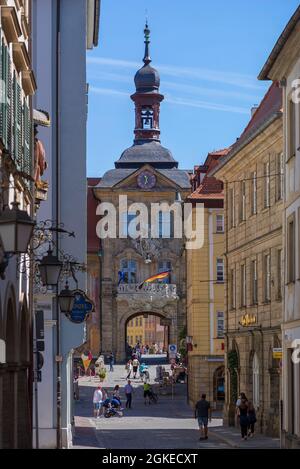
point(146, 172)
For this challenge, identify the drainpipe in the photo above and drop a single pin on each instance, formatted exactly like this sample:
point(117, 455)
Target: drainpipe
point(226, 286)
point(57, 195)
point(262, 379)
point(100, 255)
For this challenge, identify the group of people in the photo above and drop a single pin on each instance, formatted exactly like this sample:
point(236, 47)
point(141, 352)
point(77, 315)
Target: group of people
point(140, 349)
point(247, 416)
point(245, 413)
point(102, 400)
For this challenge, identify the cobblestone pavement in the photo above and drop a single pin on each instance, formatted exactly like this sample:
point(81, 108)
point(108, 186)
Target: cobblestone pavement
point(165, 425)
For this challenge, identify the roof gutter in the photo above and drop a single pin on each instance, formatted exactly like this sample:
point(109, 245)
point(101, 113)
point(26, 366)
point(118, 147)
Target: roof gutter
point(239, 146)
point(97, 22)
point(264, 74)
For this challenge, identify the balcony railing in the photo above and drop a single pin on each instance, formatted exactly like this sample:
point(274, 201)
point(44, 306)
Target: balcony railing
point(166, 290)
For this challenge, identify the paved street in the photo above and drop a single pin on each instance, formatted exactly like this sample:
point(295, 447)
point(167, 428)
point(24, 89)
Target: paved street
point(167, 424)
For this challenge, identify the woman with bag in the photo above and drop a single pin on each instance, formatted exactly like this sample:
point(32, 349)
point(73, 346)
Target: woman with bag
point(243, 414)
point(251, 419)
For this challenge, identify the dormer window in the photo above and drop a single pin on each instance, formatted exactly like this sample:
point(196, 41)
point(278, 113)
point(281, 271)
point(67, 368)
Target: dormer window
point(147, 117)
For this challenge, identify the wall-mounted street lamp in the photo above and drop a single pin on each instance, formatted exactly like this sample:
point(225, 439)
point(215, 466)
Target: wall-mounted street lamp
point(66, 300)
point(50, 269)
point(16, 228)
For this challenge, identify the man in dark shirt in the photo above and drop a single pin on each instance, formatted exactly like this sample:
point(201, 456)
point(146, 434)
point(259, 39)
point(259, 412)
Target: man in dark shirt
point(203, 413)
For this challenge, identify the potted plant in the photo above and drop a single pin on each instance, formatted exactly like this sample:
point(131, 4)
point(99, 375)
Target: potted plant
point(102, 374)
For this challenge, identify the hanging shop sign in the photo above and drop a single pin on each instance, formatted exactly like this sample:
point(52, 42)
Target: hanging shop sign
point(277, 353)
point(248, 320)
point(82, 307)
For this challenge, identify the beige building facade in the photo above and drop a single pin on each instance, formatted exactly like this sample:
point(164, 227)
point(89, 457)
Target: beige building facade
point(283, 65)
point(252, 173)
point(205, 291)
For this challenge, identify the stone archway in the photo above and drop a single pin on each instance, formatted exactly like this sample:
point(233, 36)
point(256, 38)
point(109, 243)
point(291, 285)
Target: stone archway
point(219, 386)
point(24, 379)
point(9, 384)
point(125, 314)
point(166, 332)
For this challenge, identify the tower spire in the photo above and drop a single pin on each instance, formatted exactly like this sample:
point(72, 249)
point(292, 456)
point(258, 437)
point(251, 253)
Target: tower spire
point(147, 58)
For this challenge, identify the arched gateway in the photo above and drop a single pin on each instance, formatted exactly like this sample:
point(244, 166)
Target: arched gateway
point(146, 172)
point(147, 328)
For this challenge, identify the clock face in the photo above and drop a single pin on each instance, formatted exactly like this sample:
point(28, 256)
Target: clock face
point(146, 180)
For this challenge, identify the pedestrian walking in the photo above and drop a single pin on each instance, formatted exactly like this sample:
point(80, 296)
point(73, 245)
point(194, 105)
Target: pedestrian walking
point(129, 369)
point(243, 415)
point(251, 419)
point(128, 393)
point(111, 362)
point(146, 393)
point(242, 395)
point(135, 366)
point(203, 413)
point(97, 401)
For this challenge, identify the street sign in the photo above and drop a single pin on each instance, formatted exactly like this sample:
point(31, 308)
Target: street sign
point(172, 350)
point(277, 353)
point(82, 307)
point(39, 325)
point(40, 346)
point(40, 360)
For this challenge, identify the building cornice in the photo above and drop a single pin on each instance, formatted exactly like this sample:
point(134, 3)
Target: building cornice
point(282, 40)
point(244, 142)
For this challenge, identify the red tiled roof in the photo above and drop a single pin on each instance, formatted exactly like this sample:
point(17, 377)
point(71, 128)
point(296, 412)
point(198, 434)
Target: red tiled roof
point(269, 108)
point(210, 188)
point(93, 242)
point(271, 102)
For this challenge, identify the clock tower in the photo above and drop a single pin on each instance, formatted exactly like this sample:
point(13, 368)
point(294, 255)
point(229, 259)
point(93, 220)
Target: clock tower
point(147, 98)
point(145, 172)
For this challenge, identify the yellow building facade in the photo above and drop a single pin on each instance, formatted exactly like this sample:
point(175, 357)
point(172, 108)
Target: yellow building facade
point(136, 331)
point(205, 291)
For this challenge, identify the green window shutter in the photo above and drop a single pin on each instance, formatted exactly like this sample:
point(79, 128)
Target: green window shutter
point(17, 124)
point(4, 77)
point(27, 140)
point(2, 91)
point(9, 105)
point(20, 161)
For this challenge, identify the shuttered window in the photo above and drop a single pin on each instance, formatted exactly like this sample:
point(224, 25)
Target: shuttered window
point(27, 140)
point(4, 78)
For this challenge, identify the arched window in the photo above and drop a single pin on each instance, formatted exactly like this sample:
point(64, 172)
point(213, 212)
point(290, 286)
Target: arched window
point(128, 271)
point(255, 371)
point(147, 117)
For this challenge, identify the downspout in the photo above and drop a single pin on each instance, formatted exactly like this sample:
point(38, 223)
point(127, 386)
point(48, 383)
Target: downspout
point(226, 283)
point(57, 177)
point(100, 297)
point(32, 378)
point(262, 380)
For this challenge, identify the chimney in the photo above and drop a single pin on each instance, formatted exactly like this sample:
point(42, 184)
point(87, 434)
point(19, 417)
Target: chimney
point(254, 109)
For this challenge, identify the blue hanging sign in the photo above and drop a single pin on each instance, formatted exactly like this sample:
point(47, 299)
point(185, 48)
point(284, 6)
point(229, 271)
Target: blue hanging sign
point(82, 307)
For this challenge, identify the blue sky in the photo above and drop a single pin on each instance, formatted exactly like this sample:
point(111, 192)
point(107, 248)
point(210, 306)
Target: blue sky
point(208, 54)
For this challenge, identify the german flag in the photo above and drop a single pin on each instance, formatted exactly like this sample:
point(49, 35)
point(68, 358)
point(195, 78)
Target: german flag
point(159, 276)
